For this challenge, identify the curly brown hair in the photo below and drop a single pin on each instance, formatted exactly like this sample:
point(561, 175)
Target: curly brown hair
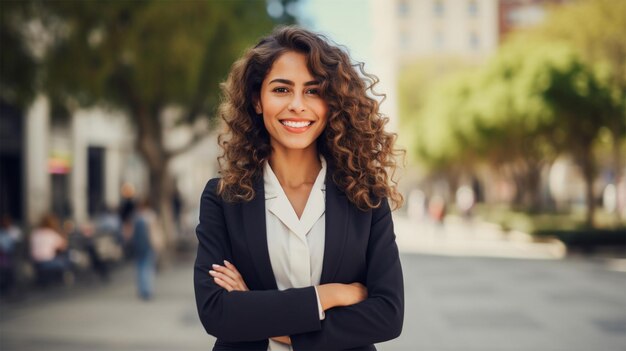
point(359, 152)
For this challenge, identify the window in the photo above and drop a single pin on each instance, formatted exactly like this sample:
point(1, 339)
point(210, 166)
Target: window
point(474, 41)
point(95, 179)
point(439, 8)
point(472, 8)
point(438, 40)
point(403, 8)
point(404, 40)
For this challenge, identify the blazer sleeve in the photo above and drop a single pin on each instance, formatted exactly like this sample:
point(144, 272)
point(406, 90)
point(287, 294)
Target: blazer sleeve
point(242, 315)
point(379, 317)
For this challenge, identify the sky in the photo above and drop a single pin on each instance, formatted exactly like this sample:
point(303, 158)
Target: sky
point(346, 22)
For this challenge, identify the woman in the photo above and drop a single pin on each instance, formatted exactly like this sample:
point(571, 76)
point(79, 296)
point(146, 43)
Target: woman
point(296, 243)
point(48, 251)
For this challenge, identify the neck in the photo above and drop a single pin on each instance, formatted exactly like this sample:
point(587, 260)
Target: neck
point(295, 168)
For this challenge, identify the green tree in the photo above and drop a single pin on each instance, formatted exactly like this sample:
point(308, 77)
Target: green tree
point(17, 66)
point(529, 103)
point(582, 105)
point(557, 100)
point(511, 121)
point(142, 57)
point(415, 84)
point(596, 29)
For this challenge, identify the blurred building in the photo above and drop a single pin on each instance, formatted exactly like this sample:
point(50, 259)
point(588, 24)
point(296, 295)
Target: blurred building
point(520, 14)
point(467, 28)
point(11, 161)
point(71, 165)
point(470, 29)
point(74, 165)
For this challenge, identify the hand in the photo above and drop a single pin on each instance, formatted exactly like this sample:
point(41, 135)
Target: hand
point(228, 277)
point(336, 294)
point(282, 339)
point(354, 293)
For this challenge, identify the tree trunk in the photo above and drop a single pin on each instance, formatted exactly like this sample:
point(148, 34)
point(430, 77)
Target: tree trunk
point(617, 170)
point(150, 145)
point(533, 179)
point(588, 169)
point(162, 189)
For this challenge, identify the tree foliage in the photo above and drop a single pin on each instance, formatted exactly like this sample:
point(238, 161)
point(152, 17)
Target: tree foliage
point(152, 53)
point(17, 65)
point(137, 56)
point(529, 103)
point(547, 91)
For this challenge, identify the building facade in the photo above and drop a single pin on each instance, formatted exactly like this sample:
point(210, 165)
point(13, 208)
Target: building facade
point(467, 28)
point(470, 29)
point(74, 165)
point(520, 14)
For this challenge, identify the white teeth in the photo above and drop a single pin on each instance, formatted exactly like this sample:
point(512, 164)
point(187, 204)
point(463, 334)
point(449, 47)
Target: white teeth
point(296, 124)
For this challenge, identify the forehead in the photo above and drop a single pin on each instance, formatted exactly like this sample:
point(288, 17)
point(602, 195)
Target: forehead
point(290, 65)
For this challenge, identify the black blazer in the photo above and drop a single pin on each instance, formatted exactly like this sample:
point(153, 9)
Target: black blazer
point(360, 247)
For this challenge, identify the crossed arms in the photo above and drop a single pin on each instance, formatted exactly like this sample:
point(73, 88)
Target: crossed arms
point(231, 313)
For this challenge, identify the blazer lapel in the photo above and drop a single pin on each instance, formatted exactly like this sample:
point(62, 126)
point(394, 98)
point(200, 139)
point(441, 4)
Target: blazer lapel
point(253, 216)
point(337, 217)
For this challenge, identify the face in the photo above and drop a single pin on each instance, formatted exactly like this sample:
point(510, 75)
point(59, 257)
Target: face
point(293, 112)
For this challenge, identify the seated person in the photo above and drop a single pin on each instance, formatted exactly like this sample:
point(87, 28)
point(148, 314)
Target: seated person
point(46, 248)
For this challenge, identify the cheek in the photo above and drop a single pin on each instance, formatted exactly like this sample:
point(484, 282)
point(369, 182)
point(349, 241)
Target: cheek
point(267, 121)
point(270, 105)
point(323, 124)
point(269, 112)
point(322, 111)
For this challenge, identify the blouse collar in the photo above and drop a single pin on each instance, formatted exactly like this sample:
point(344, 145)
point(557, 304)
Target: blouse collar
point(278, 203)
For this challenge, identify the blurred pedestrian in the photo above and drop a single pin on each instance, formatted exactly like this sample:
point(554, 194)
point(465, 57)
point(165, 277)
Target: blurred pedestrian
point(177, 207)
point(109, 223)
point(145, 248)
point(10, 238)
point(83, 240)
point(126, 212)
point(416, 205)
point(465, 201)
point(48, 250)
point(437, 209)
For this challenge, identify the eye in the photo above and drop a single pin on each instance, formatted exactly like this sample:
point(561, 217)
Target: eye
point(313, 91)
point(281, 90)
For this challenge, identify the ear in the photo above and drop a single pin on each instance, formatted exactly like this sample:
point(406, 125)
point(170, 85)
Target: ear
point(257, 106)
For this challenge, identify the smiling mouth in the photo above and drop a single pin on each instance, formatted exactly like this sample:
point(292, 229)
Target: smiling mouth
point(293, 124)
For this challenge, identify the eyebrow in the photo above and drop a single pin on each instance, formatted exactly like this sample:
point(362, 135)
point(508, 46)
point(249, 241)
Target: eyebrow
point(288, 82)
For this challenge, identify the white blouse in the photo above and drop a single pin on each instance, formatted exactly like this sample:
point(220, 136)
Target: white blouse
point(296, 246)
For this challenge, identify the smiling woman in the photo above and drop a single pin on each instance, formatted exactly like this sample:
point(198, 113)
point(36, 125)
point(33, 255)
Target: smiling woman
point(296, 243)
point(294, 113)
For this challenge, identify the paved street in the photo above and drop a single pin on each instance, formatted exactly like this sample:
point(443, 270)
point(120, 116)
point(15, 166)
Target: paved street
point(473, 292)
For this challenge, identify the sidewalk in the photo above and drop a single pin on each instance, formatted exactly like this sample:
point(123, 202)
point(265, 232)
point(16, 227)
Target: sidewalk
point(452, 303)
point(108, 316)
point(458, 237)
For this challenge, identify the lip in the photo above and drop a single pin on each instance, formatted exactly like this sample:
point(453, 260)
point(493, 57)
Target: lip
point(296, 120)
point(296, 130)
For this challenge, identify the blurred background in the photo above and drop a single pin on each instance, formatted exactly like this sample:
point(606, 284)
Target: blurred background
point(512, 113)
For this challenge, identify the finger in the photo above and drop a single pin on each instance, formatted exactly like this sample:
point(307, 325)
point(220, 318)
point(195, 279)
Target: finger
point(227, 271)
point(223, 284)
point(234, 275)
point(239, 276)
point(224, 278)
point(232, 268)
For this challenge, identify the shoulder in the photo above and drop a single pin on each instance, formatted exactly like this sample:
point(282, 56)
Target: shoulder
point(382, 210)
point(210, 192)
point(211, 187)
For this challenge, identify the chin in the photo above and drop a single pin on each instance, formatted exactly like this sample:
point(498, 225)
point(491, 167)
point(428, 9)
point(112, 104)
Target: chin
point(295, 143)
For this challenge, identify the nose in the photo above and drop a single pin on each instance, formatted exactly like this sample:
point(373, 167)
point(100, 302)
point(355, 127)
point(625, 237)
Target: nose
point(296, 104)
